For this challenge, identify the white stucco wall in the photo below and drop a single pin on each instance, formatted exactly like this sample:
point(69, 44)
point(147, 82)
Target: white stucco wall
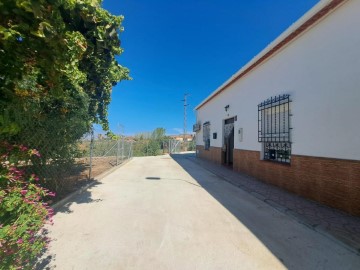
point(321, 72)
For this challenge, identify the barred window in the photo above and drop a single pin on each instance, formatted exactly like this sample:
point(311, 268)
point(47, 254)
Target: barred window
point(274, 128)
point(206, 135)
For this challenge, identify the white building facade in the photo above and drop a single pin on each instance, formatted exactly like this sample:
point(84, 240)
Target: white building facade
point(291, 116)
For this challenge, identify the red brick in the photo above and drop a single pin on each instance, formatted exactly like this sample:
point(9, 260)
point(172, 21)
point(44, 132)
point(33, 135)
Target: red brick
point(333, 182)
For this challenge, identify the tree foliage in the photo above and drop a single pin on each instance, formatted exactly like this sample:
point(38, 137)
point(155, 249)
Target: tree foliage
point(150, 143)
point(58, 66)
point(158, 134)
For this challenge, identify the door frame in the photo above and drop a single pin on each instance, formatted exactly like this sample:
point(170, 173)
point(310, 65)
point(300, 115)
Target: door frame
point(226, 159)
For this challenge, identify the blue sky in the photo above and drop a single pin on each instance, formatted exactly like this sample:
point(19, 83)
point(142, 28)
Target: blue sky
point(189, 46)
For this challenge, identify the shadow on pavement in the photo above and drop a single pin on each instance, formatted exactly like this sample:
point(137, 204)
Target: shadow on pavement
point(79, 197)
point(152, 178)
point(43, 261)
point(170, 179)
point(229, 198)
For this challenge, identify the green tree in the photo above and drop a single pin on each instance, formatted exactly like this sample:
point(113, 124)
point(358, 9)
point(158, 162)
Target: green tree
point(158, 134)
point(149, 143)
point(58, 67)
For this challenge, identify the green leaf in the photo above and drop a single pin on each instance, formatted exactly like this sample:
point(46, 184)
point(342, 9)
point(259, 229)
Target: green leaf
point(25, 5)
point(38, 33)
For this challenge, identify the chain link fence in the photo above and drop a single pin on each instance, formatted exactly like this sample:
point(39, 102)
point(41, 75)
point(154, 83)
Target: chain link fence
point(103, 154)
point(64, 167)
point(150, 147)
point(88, 159)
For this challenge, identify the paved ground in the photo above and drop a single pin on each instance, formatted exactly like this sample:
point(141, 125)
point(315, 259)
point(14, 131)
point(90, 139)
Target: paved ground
point(329, 221)
point(161, 213)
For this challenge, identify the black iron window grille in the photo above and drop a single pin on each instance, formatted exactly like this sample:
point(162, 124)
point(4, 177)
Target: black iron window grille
point(274, 128)
point(206, 135)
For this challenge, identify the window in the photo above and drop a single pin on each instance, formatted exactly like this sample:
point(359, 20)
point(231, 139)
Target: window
point(274, 128)
point(206, 135)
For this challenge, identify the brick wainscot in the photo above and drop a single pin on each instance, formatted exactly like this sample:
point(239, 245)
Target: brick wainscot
point(333, 182)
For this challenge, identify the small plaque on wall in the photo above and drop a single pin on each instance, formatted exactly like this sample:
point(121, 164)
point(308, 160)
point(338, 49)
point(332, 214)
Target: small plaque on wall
point(215, 135)
point(240, 132)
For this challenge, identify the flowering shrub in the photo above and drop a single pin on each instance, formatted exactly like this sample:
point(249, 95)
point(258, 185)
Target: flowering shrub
point(22, 212)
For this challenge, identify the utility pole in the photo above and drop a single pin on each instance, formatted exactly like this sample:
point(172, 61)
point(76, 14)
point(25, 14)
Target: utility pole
point(185, 106)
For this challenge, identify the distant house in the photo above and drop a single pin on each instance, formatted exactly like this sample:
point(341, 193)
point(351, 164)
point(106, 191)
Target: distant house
point(180, 137)
point(130, 139)
point(291, 116)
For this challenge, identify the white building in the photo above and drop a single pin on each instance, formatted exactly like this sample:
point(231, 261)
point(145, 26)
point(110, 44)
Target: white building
point(291, 116)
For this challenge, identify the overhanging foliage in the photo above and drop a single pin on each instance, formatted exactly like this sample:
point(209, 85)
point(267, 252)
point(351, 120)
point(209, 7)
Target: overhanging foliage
point(57, 62)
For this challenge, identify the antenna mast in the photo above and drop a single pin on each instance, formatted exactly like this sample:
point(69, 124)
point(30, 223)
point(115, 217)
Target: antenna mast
point(185, 106)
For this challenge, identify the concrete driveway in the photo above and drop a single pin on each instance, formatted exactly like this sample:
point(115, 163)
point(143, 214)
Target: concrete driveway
point(154, 213)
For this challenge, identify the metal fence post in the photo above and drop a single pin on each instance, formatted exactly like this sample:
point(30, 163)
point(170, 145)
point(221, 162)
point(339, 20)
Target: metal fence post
point(122, 148)
point(118, 151)
point(131, 150)
point(91, 152)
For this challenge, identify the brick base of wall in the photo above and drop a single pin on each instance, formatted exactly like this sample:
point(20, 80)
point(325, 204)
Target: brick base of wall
point(213, 154)
point(333, 182)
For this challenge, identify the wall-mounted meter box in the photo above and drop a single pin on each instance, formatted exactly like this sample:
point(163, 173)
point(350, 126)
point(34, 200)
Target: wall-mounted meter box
point(240, 134)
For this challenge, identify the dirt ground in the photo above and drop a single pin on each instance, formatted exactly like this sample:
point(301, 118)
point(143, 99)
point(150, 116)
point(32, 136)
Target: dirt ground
point(99, 165)
point(78, 177)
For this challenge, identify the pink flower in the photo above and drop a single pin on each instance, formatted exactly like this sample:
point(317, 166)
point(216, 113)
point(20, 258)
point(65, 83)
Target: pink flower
point(35, 152)
point(52, 194)
point(20, 241)
point(23, 148)
point(23, 192)
point(34, 177)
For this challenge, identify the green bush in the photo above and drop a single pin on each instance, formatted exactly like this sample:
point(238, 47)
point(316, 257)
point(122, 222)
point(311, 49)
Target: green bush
point(58, 68)
point(22, 212)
